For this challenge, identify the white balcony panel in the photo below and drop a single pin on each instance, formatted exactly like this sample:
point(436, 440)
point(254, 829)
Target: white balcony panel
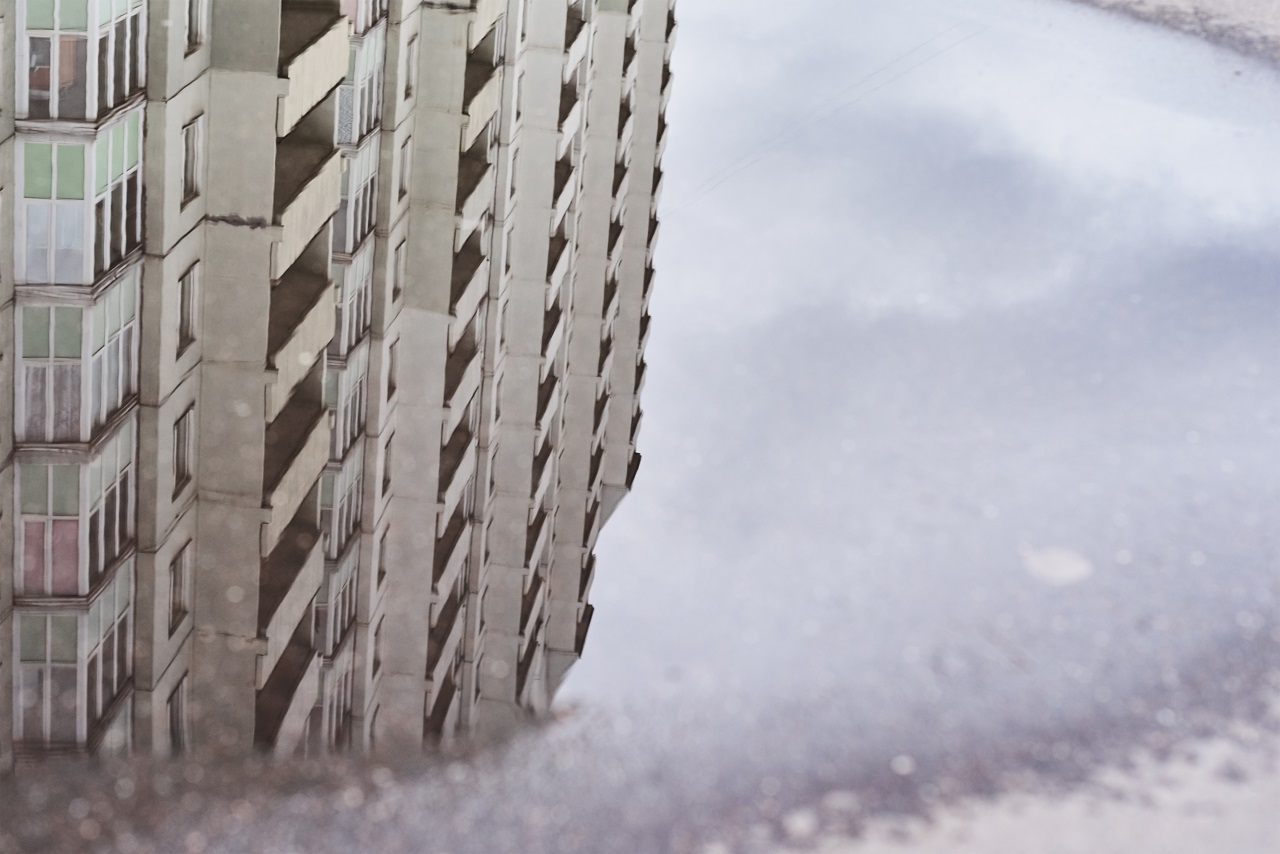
point(307, 213)
point(313, 73)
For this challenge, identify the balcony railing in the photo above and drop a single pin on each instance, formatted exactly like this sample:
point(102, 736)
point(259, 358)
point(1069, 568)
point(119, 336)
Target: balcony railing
point(463, 371)
point(297, 449)
point(487, 14)
point(442, 642)
point(307, 190)
point(457, 465)
point(584, 626)
point(481, 97)
point(475, 191)
point(450, 554)
point(313, 58)
point(531, 610)
point(587, 577)
point(284, 702)
point(536, 538)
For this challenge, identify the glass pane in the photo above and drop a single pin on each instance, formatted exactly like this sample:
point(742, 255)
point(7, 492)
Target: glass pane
point(37, 216)
point(31, 699)
point(101, 169)
point(67, 325)
point(62, 707)
point(62, 637)
point(31, 638)
point(74, 14)
point(33, 551)
point(37, 159)
point(35, 333)
point(69, 246)
point(66, 403)
point(40, 14)
point(40, 66)
point(66, 557)
point(73, 77)
point(34, 398)
point(117, 151)
point(34, 487)
point(66, 490)
point(71, 171)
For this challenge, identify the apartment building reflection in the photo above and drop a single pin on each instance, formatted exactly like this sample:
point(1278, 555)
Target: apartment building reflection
point(322, 334)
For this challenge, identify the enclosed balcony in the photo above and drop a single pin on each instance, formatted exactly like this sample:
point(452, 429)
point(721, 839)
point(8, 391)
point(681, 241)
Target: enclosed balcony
point(289, 579)
point(313, 58)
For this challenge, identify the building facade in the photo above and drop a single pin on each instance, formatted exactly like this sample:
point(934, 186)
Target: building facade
point(321, 339)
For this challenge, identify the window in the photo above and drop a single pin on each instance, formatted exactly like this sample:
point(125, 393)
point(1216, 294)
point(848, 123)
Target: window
point(51, 374)
point(47, 692)
point(188, 294)
point(502, 324)
point(54, 213)
point(177, 714)
point(377, 649)
point(382, 556)
point(386, 466)
point(113, 356)
point(49, 504)
point(511, 178)
point(406, 166)
point(191, 159)
point(410, 67)
point(183, 451)
point(180, 587)
point(112, 487)
point(393, 353)
point(195, 24)
point(342, 503)
point(399, 271)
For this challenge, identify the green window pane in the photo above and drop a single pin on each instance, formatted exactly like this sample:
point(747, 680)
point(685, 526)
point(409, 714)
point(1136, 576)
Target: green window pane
point(31, 639)
point(66, 490)
point(62, 637)
point(117, 151)
point(34, 484)
point(71, 171)
point(74, 15)
point(104, 11)
point(67, 326)
point(103, 165)
point(35, 333)
point(37, 158)
point(39, 14)
point(132, 124)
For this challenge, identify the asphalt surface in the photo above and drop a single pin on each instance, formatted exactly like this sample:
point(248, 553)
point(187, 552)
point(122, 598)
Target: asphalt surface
point(961, 481)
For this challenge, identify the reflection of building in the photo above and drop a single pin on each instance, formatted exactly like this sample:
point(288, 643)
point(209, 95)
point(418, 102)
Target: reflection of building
point(323, 323)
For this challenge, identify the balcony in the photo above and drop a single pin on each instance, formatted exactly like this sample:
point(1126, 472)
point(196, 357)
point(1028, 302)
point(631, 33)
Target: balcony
point(543, 473)
point(475, 190)
point(553, 327)
point(289, 579)
point(633, 468)
point(558, 261)
point(644, 330)
point(313, 58)
point(442, 717)
point(548, 405)
point(610, 303)
point(563, 191)
point(487, 14)
point(591, 525)
point(531, 610)
point(307, 191)
point(481, 97)
point(284, 702)
point(575, 40)
point(601, 416)
point(587, 578)
point(463, 371)
point(615, 240)
point(584, 626)
point(299, 329)
point(450, 555)
point(469, 284)
point(457, 465)
point(536, 539)
point(297, 449)
point(525, 665)
point(443, 640)
point(657, 191)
